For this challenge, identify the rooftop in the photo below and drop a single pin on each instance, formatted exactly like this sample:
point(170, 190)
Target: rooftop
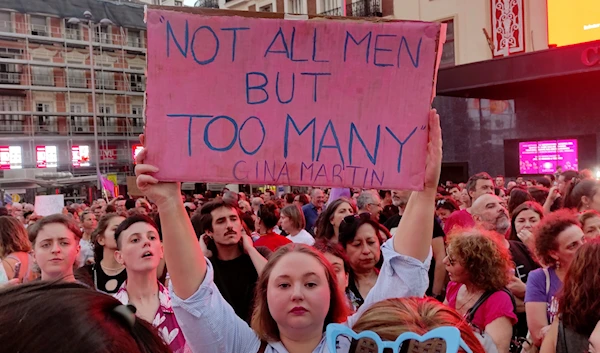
point(124, 13)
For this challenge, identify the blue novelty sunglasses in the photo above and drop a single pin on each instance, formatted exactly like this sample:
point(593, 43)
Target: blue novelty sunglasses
point(369, 341)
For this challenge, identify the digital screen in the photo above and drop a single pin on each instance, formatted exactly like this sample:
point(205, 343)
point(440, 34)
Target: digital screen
point(543, 157)
point(81, 156)
point(10, 157)
point(46, 157)
point(572, 22)
point(136, 149)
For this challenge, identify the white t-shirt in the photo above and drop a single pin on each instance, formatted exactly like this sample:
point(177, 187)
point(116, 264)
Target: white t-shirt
point(303, 237)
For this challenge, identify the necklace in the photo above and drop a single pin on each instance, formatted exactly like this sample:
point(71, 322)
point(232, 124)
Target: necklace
point(467, 301)
point(120, 267)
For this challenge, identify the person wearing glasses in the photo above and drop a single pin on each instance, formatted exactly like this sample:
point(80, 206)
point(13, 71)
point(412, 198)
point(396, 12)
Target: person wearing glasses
point(297, 294)
point(480, 267)
point(369, 202)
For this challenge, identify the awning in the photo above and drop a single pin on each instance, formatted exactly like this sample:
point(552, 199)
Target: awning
point(503, 78)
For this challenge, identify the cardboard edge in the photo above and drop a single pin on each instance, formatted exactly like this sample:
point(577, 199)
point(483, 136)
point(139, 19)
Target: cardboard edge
point(440, 50)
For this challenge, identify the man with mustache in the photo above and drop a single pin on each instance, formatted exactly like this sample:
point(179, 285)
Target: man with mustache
point(489, 212)
point(236, 262)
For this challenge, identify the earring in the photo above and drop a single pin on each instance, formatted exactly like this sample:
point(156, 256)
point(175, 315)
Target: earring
point(557, 264)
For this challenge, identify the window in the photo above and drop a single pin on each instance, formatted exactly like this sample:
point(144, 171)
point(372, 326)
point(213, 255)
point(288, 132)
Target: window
point(105, 109)
point(5, 22)
point(38, 26)
point(11, 122)
point(297, 7)
point(105, 80)
point(78, 108)
point(46, 123)
point(42, 76)
point(448, 54)
point(102, 35)
point(331, 7)
point(72, 30)
point(266, 8)
point(134, 38)
point(178, 3)
point(138, 82)
point(76, 78)
point(9, 73)
point(137, 110)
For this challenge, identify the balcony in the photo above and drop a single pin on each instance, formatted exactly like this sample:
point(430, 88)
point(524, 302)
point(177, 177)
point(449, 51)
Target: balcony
point(10, 78)
point(48, 128)
point(12, 127)
point(361, 8)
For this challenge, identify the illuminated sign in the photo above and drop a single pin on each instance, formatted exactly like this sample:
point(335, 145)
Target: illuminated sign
point(46, 156)
point(543, 157)
point(136, 149)
point(11, 157)
point(572, 22)
point(80, 156)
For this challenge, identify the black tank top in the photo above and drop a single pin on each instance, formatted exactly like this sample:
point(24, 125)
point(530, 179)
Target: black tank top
point(569, 341)
point(105, 283)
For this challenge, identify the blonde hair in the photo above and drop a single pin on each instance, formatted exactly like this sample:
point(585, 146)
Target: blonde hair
point(392, 317)
point(263, 323)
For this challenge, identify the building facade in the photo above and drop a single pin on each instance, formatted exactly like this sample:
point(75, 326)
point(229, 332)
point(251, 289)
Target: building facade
point(51, 63)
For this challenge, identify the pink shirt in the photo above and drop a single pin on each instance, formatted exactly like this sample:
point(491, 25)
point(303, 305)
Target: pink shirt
point(164, 320)
point(497, 305)
point(461, 219)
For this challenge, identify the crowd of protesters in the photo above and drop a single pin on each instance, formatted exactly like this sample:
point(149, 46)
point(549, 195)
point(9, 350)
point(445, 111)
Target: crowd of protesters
point(511, 265)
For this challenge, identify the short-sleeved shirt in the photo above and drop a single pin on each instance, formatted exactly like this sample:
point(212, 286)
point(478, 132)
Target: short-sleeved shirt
point(310, 214)
point(303, 237)
point(164, 320)
point(536, 290)
point(272, 240)
point(460, 219)
point(498, 305)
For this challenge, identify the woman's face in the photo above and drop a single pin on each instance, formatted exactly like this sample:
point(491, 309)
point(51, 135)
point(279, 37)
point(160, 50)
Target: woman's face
point(298, 293)
point(364, 250)
point(464, 197)
point(443, 213)
point(527, 219)
point(569, 240)
point(286, 224)
point(595, 202)
point(338, 268)
point(344, 209)
point(591, 228)
point(141, 249)
point(456, 271)
point(107, 240)
point(55, 251)
point(89, 222)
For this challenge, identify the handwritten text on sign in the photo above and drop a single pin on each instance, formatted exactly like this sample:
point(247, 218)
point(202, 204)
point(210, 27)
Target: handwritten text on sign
point(269, 101)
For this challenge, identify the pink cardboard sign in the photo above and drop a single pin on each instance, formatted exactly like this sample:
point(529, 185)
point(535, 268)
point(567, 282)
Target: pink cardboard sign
point(289, 102)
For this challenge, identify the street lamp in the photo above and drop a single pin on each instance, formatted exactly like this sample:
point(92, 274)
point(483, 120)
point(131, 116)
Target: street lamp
point(90, 24)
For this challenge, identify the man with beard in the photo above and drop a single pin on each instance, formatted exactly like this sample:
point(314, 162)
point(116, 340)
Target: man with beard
point(489, 212)
point(236, 263)
point(437, 271)
point(478, 185)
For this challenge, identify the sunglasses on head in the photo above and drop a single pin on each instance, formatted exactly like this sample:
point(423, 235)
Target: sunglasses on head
point(356, 217)
point(342, 339)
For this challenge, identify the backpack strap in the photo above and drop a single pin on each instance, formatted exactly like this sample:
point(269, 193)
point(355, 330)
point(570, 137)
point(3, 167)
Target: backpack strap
point(471, 312)
point(263, 347)
point(547, 274)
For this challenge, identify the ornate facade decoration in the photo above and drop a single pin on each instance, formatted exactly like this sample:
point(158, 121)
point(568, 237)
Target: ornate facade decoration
point(508, 32)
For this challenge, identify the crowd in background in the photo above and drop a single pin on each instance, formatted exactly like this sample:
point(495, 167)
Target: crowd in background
point(514, 260)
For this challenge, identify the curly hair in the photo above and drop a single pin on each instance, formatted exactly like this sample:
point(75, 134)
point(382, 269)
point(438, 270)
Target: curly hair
point(483, 256)
point(548, 230)
point(579, 302)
